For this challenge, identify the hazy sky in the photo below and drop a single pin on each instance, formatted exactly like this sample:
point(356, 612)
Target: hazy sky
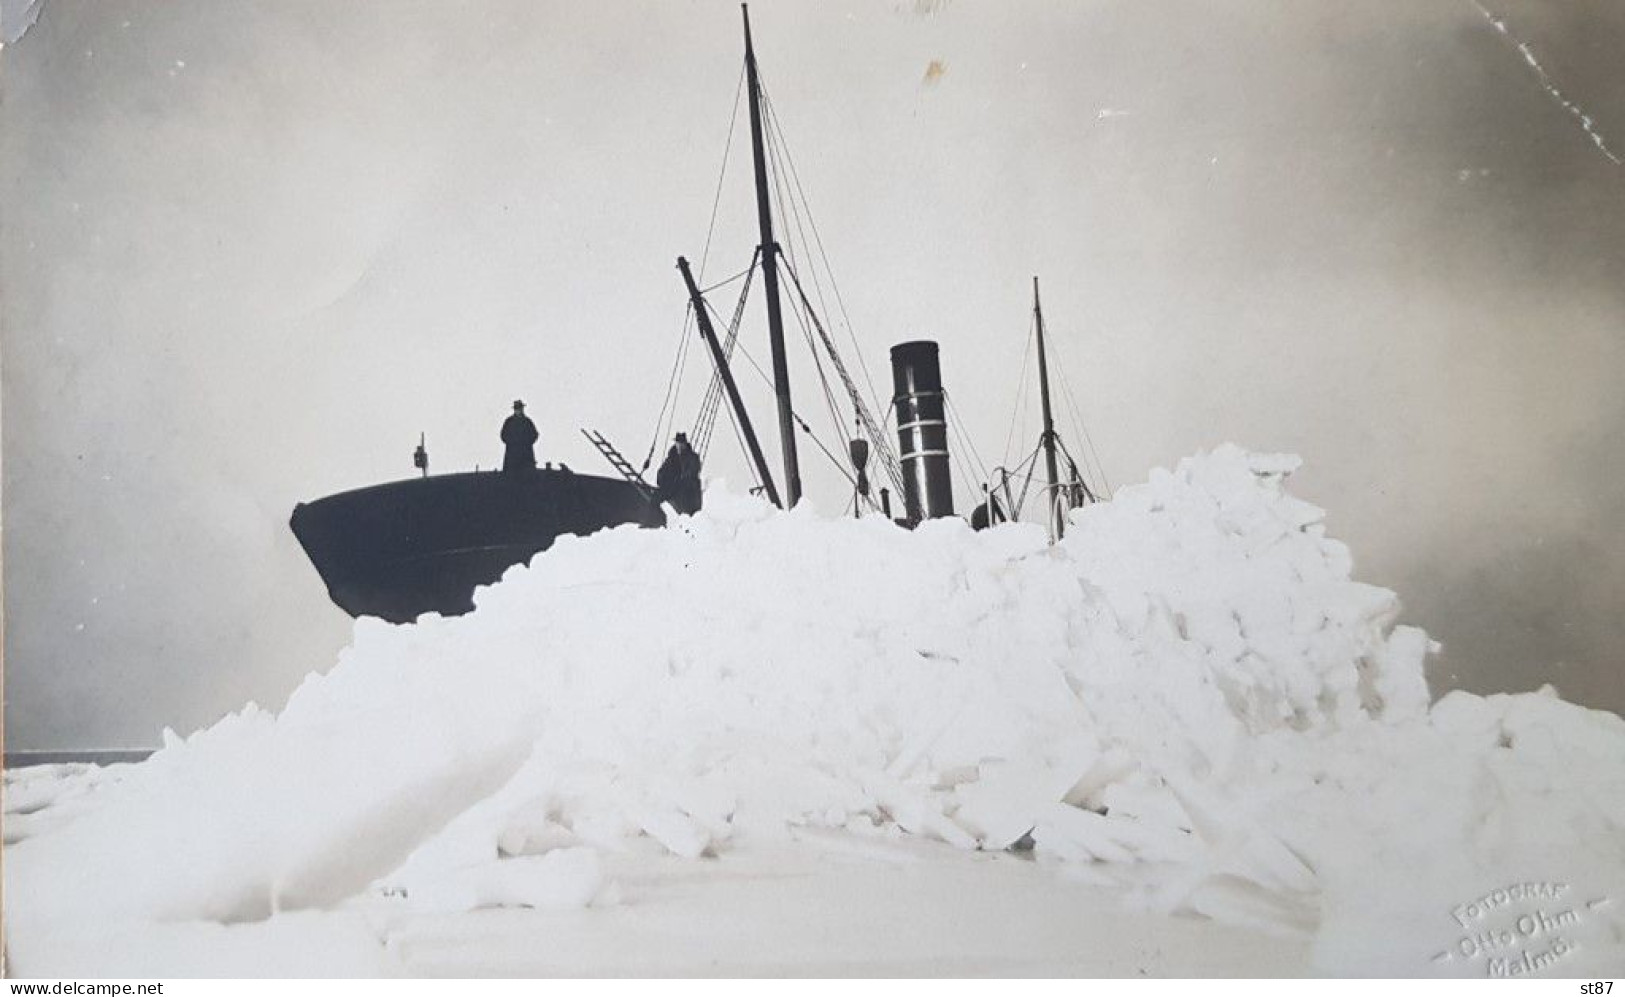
point(249, 251)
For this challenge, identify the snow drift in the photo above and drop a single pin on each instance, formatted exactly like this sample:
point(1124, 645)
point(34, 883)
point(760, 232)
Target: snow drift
point(1188, 698)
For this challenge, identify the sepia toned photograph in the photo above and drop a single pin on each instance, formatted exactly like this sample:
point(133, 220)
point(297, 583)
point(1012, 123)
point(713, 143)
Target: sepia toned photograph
point(863, 488)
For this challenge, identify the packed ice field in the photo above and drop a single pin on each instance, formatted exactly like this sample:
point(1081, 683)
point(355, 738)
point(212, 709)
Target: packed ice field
point(1181, 741)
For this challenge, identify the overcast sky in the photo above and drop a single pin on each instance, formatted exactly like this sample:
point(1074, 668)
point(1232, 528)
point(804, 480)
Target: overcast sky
point(249, 251)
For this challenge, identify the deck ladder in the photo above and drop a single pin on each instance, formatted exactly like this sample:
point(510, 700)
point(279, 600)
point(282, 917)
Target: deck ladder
point(619, 462)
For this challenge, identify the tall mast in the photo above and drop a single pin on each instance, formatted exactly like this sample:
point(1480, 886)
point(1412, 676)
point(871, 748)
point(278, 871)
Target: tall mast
point(1049, 420)
point(770, 277)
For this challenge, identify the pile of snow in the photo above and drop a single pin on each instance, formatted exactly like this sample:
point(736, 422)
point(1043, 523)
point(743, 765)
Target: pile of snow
point(1188, 698)
point(38, 798)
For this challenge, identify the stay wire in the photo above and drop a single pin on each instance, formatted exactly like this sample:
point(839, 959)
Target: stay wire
point(1090, 492)
point(1031, 464)
point(1081, 425)
point(722, 175)
point(668, 403)
point(829, 396)
point(791, 219)
point(796, 416)
point(1092, 465)
point(818, 365)
point(793, 205)
point(818, 240)
point(801, 308)
point(978, 469)
point(786, 217)
point(783, 166)
point(744, 449)
point(733, 417)
point(713, 395)
point(1019, 408)
point(729, 280)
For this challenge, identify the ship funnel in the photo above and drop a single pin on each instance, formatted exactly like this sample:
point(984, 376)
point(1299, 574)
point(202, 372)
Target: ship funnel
point(922, 430)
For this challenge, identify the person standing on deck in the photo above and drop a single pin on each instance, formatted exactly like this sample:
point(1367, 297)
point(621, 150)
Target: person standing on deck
point(678, 480)
point(519, 435)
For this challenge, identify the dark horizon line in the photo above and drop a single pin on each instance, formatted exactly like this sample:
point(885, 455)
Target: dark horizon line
point(93, 756)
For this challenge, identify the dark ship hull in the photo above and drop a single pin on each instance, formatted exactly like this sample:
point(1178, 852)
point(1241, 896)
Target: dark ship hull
point(424, 544)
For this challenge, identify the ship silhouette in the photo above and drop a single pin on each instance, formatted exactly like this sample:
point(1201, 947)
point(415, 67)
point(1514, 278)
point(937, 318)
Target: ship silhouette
point(421, 545)
point(405, 548)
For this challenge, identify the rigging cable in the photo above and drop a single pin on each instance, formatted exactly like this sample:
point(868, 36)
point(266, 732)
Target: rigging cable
point(669, 403)
point(1094, 465)
point(829, 400)
point(823, 380)
point(792, 218)
point(796, 416)
point(801, 306)
point(784, 167)
point(1086, 489)
point(716, 199)
point(1082, 427)
point(781, 159)
point(1031, 464)
point(739, 433)
point(713, 394)
point(818, 240)
point(1019, 409)
point(789, 218)
point(744, 449)
point(956, 423)
point(877, 434)
point(724, 282)
point(966, 476)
